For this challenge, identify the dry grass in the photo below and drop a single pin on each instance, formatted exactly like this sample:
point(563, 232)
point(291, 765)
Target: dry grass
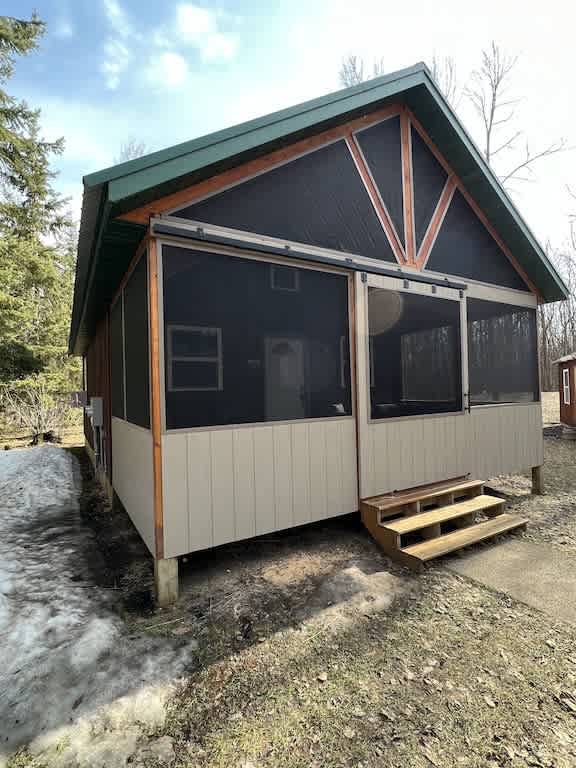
point(71, 437)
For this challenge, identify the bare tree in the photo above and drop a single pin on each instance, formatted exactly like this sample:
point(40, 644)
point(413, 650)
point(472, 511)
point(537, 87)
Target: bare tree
point(557, 322)
point(443, 72)
point(130, 150)
point(488, 93)
point(352, 70)
point(36, 410)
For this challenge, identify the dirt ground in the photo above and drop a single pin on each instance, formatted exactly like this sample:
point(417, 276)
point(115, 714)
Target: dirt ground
point(310, 648)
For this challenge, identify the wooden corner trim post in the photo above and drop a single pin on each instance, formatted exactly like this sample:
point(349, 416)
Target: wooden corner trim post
point(155, 394)
point(407, 187)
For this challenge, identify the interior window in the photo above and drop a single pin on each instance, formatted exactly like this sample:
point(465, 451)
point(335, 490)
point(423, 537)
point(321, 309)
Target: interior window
point(414, 352)
point(245, 343)
point(194, 358)
point(502, 353)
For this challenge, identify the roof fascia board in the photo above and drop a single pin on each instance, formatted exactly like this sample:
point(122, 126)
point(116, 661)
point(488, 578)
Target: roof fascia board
point(105, 208)
point(265, 121)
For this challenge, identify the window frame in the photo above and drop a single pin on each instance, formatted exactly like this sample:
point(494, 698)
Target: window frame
point(404, 285)
point(274, 287)
point(511, 298)
point(266, 258)
point(218, 358)
point(566, 385)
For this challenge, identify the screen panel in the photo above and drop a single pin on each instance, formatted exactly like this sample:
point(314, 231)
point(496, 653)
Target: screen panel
point(464, 247)
point(244, 344)
point(502, 353)
point(117, 359)
point(136, 345)
point(381, 146)
point(415, 354)
point(317, 199)
point(429, 179)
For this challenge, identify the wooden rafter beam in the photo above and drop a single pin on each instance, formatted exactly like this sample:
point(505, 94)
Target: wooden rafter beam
point(379, 207)
point(436, 221)
point(407, 187)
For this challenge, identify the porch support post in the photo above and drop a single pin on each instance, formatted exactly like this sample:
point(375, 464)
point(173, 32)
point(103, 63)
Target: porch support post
point(166, 580)
point(165, 569)
point(537, 481)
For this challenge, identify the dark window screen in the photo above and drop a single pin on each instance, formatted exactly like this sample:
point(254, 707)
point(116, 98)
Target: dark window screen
point(237, 350)
point(502, 353)
point(381, 146)
point(117, 360)
point(464, 247)
point(429, 181)
point(415, 355)
point(136, 346)
point(318, 199)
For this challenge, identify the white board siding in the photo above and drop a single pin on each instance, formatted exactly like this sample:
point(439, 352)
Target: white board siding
point(132, 476)
point(225, 485)
point(493, 440)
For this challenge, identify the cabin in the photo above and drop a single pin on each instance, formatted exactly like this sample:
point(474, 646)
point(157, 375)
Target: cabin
point(566, 385)
point(328, 309)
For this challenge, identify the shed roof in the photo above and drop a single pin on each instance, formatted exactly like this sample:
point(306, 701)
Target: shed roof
point(565, 359)
point(107, 244)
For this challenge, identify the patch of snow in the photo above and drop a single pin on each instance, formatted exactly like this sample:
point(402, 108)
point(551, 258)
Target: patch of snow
point(73, 685)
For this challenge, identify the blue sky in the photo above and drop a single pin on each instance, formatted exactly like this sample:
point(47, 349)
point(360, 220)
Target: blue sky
point(165, 72)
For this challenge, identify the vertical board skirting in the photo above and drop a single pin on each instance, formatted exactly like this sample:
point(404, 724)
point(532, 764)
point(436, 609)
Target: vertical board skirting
point(133, 478)
point(198, 501)
point(244, 497)
point(486, 442)
point(301, 473)
point(231, 484)
point(264, 481)
point(318, 495)
point(223, 486)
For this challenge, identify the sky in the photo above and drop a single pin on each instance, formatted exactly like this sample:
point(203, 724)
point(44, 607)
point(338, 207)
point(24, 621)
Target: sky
point(161, 73)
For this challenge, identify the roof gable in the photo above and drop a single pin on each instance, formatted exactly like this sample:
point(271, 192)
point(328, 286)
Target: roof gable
point(113, 191)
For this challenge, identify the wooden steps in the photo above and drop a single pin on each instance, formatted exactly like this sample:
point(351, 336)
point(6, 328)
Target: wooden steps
point(416, 526)
point(450, 542)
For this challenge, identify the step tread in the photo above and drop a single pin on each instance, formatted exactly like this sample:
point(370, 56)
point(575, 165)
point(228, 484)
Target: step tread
point(427, 550)
point(448, 512)
point(390, 502)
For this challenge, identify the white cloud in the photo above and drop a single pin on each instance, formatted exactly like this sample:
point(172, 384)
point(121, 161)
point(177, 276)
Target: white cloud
point(63, 29)
point(117, 53)
point(199, 28)
point(117, 56)
point(116, 16)
point(168, 70)
point(219, 46)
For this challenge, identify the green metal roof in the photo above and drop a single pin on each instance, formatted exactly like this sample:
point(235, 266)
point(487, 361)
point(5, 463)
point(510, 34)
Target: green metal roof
point(106, 245)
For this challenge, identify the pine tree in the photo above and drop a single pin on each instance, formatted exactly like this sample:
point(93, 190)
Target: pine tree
point(37, 241)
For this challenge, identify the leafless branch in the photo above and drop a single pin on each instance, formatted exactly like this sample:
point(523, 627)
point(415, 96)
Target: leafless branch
point(352, 70)
point(443, 71)
point(530, 159)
